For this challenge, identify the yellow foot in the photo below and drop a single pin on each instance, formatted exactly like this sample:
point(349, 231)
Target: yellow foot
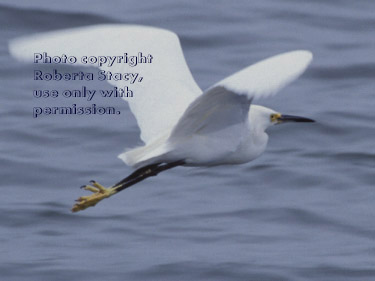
point(99, 193)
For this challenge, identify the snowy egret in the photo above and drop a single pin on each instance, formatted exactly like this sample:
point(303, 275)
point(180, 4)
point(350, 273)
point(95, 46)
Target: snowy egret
point(180, 125)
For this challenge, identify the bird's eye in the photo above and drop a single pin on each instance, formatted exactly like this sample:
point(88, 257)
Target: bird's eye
point(275, 117)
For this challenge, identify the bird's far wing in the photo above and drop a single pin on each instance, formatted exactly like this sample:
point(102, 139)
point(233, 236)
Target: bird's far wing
point(167, 87)
point(268, 76)
point(215, 110)
point(224, 104)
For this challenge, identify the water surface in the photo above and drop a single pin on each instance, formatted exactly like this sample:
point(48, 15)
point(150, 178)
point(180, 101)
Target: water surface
point(303, 211)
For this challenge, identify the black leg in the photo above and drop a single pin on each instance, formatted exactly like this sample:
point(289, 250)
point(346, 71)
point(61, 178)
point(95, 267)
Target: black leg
point(100, 192)
point(137, 173)
point(145, 172)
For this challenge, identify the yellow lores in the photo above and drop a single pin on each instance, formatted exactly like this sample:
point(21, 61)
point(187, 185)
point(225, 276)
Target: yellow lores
point(99, 192)
point(275, 118)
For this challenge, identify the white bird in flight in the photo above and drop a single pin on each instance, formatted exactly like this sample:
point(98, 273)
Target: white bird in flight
point(180, 124)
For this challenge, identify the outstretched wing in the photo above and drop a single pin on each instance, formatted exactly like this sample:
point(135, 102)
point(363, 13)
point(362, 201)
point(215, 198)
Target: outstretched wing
point(227, 103)
point(166, 81)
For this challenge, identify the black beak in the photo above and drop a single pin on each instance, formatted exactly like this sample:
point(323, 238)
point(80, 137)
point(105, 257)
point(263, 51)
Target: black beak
point(291, 118)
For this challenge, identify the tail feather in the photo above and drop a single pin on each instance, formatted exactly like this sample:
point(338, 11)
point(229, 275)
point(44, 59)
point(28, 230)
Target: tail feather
point(133, 156)
point(145, 155)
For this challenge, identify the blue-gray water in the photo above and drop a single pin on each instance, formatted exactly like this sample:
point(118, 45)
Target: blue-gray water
point(302, 211)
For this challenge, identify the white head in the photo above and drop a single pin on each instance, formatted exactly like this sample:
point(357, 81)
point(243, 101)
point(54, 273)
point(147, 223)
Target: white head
point(262, 117)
